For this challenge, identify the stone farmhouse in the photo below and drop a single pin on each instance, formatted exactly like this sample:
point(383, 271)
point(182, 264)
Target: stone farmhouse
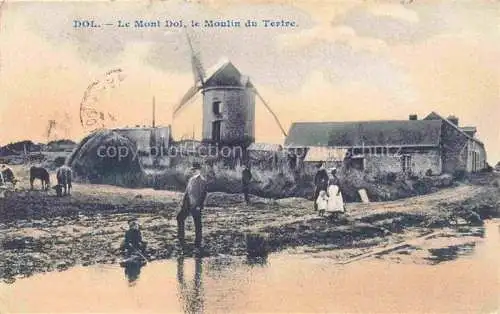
point(430, 146)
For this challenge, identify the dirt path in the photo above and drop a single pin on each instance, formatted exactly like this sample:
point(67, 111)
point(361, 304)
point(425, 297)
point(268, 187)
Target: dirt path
point(416, 203)
point(40, 232)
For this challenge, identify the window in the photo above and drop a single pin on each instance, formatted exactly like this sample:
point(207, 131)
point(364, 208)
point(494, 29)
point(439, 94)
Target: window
point(357, 151)
point(474, 161)
point(216, 131)
point(216, 107)
point(292, 161)
point(358, 163)
point(406, 163)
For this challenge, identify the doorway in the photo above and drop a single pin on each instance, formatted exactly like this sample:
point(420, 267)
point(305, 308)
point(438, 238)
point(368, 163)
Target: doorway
point(216, 131)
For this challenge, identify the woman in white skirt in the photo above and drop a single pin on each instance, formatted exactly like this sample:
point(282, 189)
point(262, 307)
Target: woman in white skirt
point(335, 199)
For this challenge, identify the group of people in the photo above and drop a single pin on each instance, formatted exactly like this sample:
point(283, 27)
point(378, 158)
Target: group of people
point(327, 199)
point(327, 194)
point(192, 205)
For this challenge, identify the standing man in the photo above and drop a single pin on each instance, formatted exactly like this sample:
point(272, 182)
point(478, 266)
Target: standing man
point(320, 182)
point(192, 204)
point(246, 177)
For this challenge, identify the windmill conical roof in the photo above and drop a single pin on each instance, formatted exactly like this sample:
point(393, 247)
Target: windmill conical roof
point(225, 73)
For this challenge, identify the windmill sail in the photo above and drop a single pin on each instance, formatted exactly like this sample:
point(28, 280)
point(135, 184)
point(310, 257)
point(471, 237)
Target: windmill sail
point(189, 94)
point(271, 112)
point(198, 74)
point(198, 71)
point(197, 67)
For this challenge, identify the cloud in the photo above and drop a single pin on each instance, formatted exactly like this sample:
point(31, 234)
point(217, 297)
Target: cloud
point(395, 11)
point(324, 30)
point(346, 61)
point(458, 74)
point(346, 35)
point(324, 100)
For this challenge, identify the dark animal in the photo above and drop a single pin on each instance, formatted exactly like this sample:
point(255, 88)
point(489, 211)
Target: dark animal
point(42, 174)
point(8, 175)
point(64, 175)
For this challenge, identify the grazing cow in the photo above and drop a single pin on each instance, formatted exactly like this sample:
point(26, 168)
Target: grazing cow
point(7, 175)
point(42, 174)
point(64, 174)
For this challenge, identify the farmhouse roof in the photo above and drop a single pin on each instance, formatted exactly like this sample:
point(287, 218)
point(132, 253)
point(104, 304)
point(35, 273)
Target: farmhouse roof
point(435, 116)
point(224, 73)
point(365, 133)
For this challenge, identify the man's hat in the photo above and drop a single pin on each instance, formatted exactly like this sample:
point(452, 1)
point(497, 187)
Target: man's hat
point(132, 220)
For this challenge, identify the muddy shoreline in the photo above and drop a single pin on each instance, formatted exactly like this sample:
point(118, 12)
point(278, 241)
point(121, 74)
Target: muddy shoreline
point(40, 232)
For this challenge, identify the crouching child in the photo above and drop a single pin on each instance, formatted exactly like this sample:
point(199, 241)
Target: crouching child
point(133, 243)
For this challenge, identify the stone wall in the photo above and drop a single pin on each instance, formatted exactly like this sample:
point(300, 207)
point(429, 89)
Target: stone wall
point(421, 161)
point(454, 147)
point(476, 156)
point(237, 114)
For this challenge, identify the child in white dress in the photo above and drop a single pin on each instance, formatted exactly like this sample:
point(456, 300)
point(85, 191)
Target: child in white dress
point(322, 202)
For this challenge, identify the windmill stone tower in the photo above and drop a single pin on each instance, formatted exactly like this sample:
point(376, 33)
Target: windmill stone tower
point(228, 107)
point(228, 103)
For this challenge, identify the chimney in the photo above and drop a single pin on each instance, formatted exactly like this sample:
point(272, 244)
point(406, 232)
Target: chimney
point(469, 130)
point(413, 117)
point(453, 119)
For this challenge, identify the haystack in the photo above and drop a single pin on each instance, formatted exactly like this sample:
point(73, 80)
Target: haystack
point(99, 158)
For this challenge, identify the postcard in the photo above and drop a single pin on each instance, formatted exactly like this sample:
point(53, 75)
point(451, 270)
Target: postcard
point(249, 156)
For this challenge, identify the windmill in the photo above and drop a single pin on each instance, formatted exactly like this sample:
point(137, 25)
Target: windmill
point(222, 85)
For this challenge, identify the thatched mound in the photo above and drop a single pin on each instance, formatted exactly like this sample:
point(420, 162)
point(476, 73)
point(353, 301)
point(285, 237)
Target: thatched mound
point(106, 157)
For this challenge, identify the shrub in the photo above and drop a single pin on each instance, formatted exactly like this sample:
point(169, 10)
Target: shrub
point(488, 169)
point(256, 243)
point(391, 177)
point(59, 161)
point(459, 175)
point(428, 172)
point(423, 186)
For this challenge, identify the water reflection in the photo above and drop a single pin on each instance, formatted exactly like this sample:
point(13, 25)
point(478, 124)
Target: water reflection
point(132, 272)
point(191, 295)
point(289, 283)
point(256, 261)
point(132, 267)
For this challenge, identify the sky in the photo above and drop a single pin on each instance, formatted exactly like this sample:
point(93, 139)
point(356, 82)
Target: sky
point(345, 61)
